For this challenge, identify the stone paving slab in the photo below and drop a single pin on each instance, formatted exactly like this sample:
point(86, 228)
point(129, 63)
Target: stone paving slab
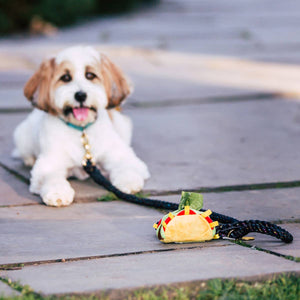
point(15, 165)
point(270, 205)
point(151, 269)
point(155, 89)
point(13, 99)
point(206, 69)
point(269, 243)
point(14, 79)
point(218, 144)
point(35, 233)
point(7, 291)
point(86, 191)
point(8, 123)
point(14, 191)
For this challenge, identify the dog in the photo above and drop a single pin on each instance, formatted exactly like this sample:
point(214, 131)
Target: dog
point(78, 89)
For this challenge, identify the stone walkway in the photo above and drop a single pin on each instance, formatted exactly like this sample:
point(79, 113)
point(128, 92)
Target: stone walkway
point(226, 126)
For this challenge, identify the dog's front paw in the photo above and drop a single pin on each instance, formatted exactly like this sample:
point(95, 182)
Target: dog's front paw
point(128, 181)
point(58, 195)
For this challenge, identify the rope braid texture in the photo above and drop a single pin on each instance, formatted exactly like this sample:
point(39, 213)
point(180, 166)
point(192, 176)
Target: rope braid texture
point(229, 227)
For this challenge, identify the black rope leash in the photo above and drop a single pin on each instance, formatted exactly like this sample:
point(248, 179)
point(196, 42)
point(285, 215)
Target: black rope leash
point(229, 227)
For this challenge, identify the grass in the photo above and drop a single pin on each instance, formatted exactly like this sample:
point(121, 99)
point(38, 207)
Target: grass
point(11, 267)
point(112, 197)
point(107, 197)
point(280, 287)
point(25, 290)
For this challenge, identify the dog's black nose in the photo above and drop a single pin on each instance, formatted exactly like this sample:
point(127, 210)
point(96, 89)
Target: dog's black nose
point(80, 96)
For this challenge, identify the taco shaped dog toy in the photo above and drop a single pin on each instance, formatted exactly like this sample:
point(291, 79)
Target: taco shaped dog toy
point(188, 223)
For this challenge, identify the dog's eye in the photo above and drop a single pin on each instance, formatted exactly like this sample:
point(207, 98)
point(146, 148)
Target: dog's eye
point(66, 78)
point(90, 75)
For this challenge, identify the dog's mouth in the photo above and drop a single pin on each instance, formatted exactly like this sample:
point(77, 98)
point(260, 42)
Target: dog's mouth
point(80, 113)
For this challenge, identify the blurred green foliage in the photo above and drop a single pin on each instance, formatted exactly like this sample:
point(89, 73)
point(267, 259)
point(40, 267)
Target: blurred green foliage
point(16, 15)
point(110, 6)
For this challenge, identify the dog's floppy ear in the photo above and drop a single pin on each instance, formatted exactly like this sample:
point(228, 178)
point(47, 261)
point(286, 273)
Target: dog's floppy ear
point(116, 84)
point(37, 89)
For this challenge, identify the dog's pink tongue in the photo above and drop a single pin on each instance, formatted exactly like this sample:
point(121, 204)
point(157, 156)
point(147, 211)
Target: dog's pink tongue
point(80, 113)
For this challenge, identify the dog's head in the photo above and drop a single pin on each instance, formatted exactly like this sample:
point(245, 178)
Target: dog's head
point(76, 84)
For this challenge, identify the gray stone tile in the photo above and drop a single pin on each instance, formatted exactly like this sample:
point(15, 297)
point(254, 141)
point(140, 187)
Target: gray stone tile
point(14, 191)
point(13, 79)
point(7, 291)
point(266, 205)
point(86, 191)
point(13, 99)
point(156, 90)
point(35, 233)
point(218, 144)
point(266, 242)
point(16, 165)
point(151, 269)
point(8, 122)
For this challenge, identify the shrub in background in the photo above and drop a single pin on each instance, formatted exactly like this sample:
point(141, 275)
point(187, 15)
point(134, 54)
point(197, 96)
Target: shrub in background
point(63, 12)
point(110, 6)
point(16, 15)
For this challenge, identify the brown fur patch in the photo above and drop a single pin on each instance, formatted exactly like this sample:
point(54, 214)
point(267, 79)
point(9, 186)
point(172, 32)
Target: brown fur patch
point(114, 81)
point(37, 89)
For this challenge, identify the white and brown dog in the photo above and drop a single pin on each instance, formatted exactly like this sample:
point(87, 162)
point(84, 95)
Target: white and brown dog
point(73, 91)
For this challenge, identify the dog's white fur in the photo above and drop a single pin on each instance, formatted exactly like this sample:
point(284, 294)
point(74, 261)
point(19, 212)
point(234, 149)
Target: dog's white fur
point(54, 149)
